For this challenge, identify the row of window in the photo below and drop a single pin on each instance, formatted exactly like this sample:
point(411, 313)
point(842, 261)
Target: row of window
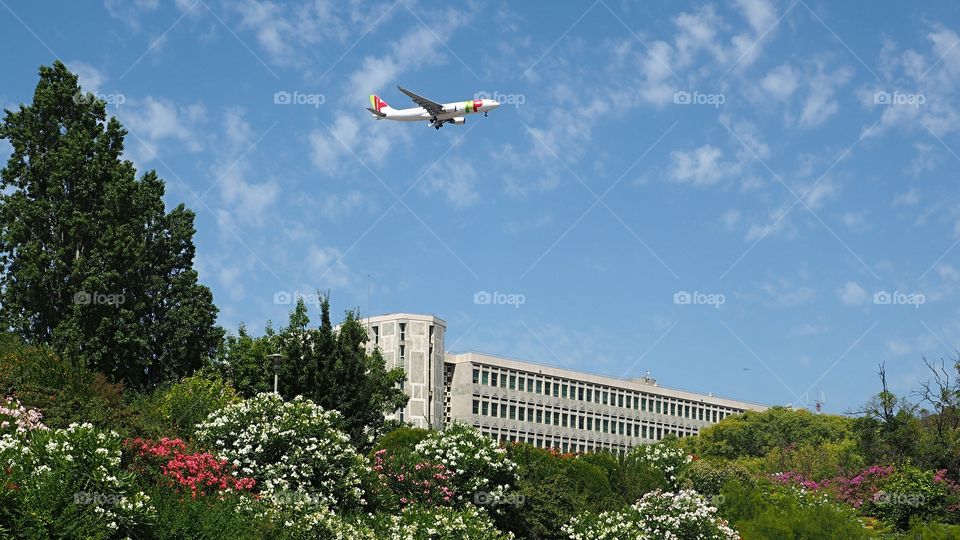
point(581, 421)
point(581, 392)
point(563, 444)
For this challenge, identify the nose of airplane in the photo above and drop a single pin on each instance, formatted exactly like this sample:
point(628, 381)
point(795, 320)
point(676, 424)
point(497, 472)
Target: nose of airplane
point(494, 104)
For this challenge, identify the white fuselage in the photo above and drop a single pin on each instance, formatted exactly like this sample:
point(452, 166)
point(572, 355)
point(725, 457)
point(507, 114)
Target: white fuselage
point(450, 110)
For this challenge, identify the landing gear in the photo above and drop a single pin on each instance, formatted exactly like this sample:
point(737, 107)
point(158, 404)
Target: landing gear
point(484, 114)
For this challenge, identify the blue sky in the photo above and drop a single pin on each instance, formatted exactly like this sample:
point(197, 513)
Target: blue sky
point(757, 199)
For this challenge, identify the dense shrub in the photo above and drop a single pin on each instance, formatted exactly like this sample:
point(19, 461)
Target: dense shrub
point(768, 511)
point(708, 476)
point(401, 440)
point(68, 482)
point(913, 494)
point(437, 523)
point(659, 514)
point(196, 473)
point(551, 489)
point(668, 460)
point(481, 469)
point(755, 434)
point(191, 400)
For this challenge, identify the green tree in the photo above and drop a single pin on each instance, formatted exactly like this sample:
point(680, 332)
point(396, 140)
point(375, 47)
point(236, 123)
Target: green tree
point(90, 261)
point(754, 434)
point(329, 366)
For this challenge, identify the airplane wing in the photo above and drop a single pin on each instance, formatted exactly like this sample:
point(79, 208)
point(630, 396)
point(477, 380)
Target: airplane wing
point(432, 107)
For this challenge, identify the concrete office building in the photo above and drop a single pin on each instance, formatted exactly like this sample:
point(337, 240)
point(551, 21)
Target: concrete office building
point(547, 406)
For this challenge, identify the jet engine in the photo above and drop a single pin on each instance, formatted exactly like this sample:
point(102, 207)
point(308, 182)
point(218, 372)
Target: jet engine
point(458, 120)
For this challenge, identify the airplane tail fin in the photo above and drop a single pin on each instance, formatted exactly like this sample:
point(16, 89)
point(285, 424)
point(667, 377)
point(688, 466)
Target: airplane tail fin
point(378, 107)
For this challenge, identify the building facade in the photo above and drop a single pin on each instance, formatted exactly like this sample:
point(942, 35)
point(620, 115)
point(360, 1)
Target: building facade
point(415, 343)
point(547, 406)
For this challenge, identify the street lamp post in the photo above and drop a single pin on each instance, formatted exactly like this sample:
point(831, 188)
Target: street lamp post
point(276, 369)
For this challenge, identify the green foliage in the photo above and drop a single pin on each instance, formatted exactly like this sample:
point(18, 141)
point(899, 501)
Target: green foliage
point(932, 531)
point(911, 494)
point(402, 440)
point(551, 489)
point(331, 368)
point(816, 461)
point(708, 476)
point(90, 262)
point(191, 400)
point(755, 434)
point(658, 514)
point(68, 483)
point(768, 511)
point(436, 523)
point(179, 516)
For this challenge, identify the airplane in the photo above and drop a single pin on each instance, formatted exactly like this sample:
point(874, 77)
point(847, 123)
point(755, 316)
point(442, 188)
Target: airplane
point(437, 114)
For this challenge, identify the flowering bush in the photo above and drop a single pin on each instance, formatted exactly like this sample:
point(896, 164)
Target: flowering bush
point(70, 479)
point(854, 490)
point(671, 461)
point(15, 418)
point(910, 493)
point(288, 446)
point(413, 481)
point(437, 523)
point(478, 465)
point(658, 515)
point(200, 472)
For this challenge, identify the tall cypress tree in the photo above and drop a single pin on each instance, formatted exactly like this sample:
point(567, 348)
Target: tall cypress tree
point(90, 261)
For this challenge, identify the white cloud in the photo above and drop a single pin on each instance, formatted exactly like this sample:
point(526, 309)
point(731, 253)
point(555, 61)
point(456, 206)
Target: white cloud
point(857, 221)
point(247, 200)
point(784, 294)
point(821, 99)
point(153, 121)
point(455, 180)
point(898, 347)
point(852, 294)
point(730, 218)
point(91, 79)
point(291, 33)
point(782, 82)
point(910, 197)
point(701, 167)
point(328, 266)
